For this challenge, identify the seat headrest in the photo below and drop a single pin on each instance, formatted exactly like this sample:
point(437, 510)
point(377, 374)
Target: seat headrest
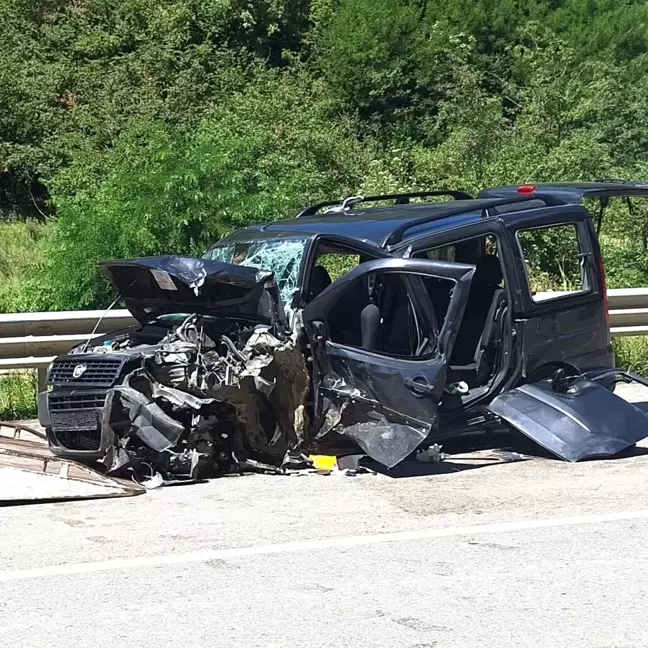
point(320, 280)
point(488, 271)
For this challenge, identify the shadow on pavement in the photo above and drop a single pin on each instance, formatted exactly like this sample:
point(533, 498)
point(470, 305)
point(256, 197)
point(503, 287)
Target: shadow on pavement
point(452, 463)
point(462, 455)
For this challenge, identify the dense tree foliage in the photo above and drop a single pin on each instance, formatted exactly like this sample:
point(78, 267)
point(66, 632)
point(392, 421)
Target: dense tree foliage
point(147, 126)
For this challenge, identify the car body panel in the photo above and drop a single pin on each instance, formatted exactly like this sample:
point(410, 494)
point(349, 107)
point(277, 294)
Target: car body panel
point(582, 422)
point(571, 328)
point(571, 193)
point(376, 224)
point(154, 286)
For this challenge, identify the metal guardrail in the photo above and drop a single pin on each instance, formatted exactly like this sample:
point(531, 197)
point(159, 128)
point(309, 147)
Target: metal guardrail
point(32, 340)
point(62, 323)
point(628, 311)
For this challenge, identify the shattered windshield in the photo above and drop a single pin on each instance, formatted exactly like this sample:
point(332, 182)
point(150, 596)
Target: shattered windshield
point(281, 256)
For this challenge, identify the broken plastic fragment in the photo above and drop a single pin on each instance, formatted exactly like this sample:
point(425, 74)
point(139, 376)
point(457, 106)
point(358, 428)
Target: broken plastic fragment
point(323, 462)
point(387, 443)
point(149, 422)
point(432, 454)
point(457, 389)
point(154, 482)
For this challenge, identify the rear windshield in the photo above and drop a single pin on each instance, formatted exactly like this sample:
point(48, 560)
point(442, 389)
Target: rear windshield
point(283, 257)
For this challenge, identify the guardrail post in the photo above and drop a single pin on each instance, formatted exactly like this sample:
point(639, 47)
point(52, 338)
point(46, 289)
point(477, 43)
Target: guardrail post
point(42, 378)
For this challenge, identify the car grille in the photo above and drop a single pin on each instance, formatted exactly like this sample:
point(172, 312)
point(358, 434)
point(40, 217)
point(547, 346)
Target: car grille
point(76, 419)
point(98, 372)
point(76, 401)
point(78, 439)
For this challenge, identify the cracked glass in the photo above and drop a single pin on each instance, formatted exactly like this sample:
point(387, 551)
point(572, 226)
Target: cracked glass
point(283, 257)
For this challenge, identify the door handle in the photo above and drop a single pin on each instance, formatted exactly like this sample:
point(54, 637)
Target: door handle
point(420, 386)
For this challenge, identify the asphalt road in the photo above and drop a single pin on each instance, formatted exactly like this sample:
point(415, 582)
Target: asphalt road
point(474, 553)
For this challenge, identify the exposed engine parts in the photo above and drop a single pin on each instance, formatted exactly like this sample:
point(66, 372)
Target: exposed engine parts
point(203, 404)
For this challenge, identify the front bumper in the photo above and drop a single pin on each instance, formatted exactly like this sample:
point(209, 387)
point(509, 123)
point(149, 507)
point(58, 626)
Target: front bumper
point(73, 420)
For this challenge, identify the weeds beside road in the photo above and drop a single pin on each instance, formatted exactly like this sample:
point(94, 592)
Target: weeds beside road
point(18, 395)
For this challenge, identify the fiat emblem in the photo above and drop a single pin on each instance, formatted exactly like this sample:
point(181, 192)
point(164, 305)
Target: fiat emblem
point(79, 370)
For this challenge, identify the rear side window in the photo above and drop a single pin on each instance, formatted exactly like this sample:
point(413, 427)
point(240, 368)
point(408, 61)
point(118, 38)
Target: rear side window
point(447, 253)
point(555, 265)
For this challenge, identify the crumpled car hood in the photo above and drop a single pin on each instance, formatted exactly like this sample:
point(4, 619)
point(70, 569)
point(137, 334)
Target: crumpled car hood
point(154, 286)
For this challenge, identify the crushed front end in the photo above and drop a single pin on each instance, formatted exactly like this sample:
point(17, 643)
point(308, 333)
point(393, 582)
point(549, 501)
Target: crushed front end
point(71, 410)
point(212, 379)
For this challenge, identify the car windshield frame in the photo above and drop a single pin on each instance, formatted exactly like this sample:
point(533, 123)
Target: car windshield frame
point(291, 254)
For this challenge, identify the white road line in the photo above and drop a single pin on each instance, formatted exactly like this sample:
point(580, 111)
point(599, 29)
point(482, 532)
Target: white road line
point(312, 545)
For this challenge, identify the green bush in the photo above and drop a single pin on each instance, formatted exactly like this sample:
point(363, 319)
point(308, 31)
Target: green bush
point(21, 256)
point(18, 395)
point(154, 126)
point(259, 156)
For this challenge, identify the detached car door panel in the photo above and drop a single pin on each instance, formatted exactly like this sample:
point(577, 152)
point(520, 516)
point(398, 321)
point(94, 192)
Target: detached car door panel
point(387, 402)
point(573, 418)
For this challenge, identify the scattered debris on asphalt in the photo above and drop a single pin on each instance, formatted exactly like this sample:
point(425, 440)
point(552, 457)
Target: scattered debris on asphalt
point(432, 454)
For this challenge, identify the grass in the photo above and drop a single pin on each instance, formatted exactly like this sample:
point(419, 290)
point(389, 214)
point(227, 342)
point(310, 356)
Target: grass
point(18, 395)
point(20, 257)
point(19, 250)
point(632, 354)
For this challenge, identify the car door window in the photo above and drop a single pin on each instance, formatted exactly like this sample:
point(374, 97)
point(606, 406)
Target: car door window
point(337, 264)
point(332, 259)
point(555, 264)
point(445, 253)
point(469, 250)
point(328, 268)
point(383, 313)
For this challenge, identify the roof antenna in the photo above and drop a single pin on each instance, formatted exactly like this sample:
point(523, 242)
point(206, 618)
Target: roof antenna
point(94, 330)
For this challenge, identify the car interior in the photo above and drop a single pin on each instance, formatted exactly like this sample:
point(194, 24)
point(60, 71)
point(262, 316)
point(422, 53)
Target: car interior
point(378, 313)
point(475, 357)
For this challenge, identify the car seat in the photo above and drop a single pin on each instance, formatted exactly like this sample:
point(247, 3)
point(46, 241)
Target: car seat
point(396, 312)
point(371, 328)
point(320, 281)
point(479, 327)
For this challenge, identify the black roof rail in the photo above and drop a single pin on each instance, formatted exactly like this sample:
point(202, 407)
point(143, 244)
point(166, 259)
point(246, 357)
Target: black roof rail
point(399, 199)
point(483, 205)
point(617, 181)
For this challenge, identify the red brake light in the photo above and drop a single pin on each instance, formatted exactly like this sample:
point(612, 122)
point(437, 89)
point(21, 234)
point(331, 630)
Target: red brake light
point(606, 307)
point(526, 189)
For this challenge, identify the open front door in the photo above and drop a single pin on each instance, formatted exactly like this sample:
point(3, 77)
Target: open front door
point(380, 352)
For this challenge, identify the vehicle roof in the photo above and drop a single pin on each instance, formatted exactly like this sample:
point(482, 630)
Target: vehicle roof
point(375, 225)
point(571, 193)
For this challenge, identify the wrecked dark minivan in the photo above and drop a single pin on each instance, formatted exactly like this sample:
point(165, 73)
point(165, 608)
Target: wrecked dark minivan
point(376, 325)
